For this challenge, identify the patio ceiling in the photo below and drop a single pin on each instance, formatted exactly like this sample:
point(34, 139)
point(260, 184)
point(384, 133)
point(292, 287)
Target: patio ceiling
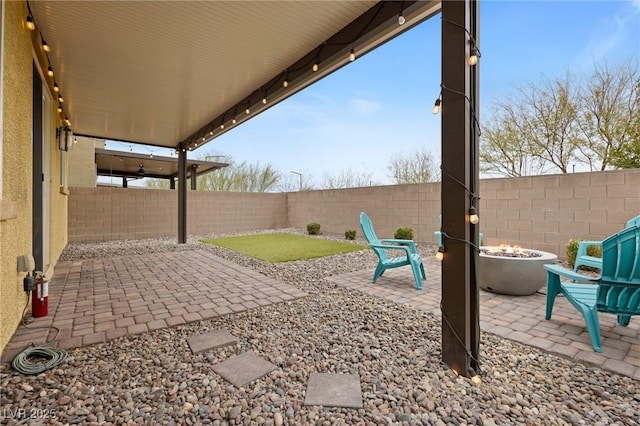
point(170, 73)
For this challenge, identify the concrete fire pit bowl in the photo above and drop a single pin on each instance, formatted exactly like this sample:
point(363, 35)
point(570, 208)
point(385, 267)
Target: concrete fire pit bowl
point(519, 274)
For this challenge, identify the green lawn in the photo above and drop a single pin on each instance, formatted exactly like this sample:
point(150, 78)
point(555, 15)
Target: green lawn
point(284, 247)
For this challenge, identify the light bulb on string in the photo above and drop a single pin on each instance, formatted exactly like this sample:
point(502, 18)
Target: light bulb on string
point(247, 111)
point(264, 100)
point(436, 106)
point(473, 215)
point(56, 88)
point(45, 46)
point(60, 98)
point(59, 108)
point(474, 55)
point(233, 120)
point(222, 126)
point(285, 83)
point(352, 56)
point(401, 19)
point(314, 68)
point(50, 71)
point(30, 24)
point(440, 254)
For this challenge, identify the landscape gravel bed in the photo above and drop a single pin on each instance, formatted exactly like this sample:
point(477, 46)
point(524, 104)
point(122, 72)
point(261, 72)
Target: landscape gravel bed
point(154, 378)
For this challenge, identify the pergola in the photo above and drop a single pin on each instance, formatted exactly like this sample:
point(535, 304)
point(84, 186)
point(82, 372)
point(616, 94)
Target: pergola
point(131, 165)
point(179, 74)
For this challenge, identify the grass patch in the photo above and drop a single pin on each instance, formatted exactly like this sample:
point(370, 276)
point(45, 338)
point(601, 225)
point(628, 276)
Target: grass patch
point(283, 247)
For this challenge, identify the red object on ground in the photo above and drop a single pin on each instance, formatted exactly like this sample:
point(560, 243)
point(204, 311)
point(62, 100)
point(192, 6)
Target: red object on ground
point(40, 298)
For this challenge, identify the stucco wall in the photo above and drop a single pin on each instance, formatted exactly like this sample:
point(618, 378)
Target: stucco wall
point(15, 231)
point(15, 212)
point(82, 156)
point(541, 212)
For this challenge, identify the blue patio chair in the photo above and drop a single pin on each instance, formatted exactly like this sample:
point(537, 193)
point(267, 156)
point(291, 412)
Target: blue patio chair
point(380, 247)
point(438, 234)
point(583, 259)
point(617, 291)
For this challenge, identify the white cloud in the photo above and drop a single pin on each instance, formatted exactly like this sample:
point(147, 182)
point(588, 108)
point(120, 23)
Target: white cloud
point(364, 107)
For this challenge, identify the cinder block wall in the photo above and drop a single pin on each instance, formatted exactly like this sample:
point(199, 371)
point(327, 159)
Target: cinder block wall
point(541, 212)
point(107, 213)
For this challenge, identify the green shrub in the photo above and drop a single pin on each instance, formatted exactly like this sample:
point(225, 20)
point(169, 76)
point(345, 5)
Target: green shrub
point(350, 234)
point(572, 251)
point(313, 228)
point(403, 234)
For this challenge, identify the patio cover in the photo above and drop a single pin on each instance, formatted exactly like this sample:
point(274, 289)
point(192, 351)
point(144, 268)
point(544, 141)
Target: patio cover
point(128, 164)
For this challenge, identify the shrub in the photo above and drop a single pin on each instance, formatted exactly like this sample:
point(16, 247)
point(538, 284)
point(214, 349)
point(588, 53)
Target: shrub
point(350, 234)
point(313, 228)
point(403, 234)
point(572, 251)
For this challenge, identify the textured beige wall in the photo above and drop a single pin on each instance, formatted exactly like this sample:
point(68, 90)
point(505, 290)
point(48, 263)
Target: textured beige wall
point(541, 212)
point(15, 232)
point(108, 213)
point(82, 156)
point(16, 220)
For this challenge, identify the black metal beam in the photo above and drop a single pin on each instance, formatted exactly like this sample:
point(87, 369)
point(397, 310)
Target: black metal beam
point(182, 195)
point(460, 331)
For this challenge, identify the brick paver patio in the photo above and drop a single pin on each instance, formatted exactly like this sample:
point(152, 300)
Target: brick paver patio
point(95, 301)
point(519, 318)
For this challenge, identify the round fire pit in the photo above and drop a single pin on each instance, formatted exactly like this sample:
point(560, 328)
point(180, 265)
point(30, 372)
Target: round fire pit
point(512, 271)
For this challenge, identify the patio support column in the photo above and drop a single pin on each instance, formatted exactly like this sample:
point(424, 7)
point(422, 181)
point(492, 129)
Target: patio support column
point(182, 194)
point(193, 177)
point(172, 183)
point(460, 320)
point(125, 184)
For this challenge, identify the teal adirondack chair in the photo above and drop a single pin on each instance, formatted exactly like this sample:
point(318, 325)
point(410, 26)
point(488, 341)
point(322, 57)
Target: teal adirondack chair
point(617, 291)
point(583, 259)
point(410, 257)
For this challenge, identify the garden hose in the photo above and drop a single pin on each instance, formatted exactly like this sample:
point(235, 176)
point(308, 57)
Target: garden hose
point(34, 359)
point(37, 359)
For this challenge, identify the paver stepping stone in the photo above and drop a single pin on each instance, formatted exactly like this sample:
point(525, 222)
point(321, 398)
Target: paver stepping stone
point(244, 368)
point(334, 390)
point(216, 339)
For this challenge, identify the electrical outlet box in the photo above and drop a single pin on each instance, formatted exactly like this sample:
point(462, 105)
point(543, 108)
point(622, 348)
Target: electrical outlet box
point(26, 263)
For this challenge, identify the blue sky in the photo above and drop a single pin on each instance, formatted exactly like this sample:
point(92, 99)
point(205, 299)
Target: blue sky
point(380, 105)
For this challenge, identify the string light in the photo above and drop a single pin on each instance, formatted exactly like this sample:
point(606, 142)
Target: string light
point(222, 126)
point(59, 108)
point(474, 53)
point(440, 254)
point(233, 120)
point(314, 68)
point(436, 105)
point(30, 24)
point(45, 46)
point(56, 88)
point(264, 100)
point(50, 71)
point(247, 111)
point(401, 19)
point(285, 83)
point(473, 215)
point(352, 56)
point(60, 98)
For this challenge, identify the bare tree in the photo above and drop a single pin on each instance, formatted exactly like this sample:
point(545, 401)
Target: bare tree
point(419, 166)
point(154, 183)
point(292, 183)
point(609, 112)
point(348, 179)
point(243, 177)
point(504, 150)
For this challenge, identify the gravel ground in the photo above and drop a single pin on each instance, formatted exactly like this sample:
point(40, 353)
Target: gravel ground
point(155, 379)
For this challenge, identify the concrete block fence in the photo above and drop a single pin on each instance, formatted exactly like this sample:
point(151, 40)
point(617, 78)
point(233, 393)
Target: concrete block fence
point(540, 212)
